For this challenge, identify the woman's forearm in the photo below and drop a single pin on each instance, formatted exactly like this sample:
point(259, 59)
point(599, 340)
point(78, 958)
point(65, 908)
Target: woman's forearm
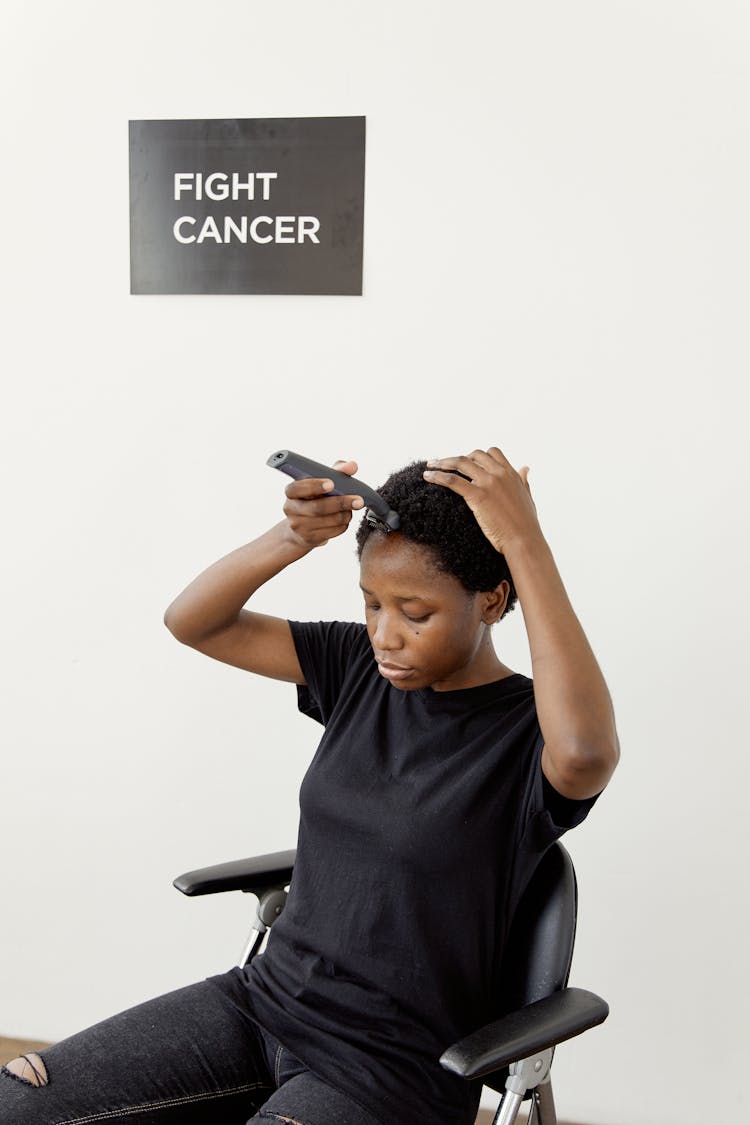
point(209, 614)
point(573, 702)
point(214, 599)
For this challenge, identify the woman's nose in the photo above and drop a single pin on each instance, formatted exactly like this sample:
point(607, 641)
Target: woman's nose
point(387, 636)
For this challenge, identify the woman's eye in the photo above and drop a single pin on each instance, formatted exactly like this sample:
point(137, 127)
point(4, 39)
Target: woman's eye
point(371, 606)
point(416, 620)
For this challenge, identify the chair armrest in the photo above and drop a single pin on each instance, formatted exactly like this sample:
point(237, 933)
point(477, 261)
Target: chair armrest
point(254, 875)
point(525, 1032)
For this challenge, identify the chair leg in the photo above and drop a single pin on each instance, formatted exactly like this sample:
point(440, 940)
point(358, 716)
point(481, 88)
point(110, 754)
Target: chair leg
point(507, 1111)
point(527, 1074)
point(252, 945)
point(543, 1105)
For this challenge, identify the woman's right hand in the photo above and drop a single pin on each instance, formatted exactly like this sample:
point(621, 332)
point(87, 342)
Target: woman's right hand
point(313, 517)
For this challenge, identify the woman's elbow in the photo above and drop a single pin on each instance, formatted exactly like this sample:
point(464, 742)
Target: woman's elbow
point(583, 770)
point(177, 625)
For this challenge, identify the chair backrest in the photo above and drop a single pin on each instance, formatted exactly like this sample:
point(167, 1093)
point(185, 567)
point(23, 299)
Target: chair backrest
point(538, 954)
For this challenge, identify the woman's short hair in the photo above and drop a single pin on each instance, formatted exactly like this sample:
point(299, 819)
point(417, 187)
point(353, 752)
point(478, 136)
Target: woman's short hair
point(440, 519)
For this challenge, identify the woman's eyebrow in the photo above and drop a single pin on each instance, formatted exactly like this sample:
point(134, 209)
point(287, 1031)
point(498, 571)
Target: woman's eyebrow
point(399, 597)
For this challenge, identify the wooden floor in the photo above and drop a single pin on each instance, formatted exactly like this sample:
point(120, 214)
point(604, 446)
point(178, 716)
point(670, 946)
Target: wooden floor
point(10, 1048)
point(486, 1115)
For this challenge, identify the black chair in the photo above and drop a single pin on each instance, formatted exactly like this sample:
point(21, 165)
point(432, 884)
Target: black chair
point(536, 1010)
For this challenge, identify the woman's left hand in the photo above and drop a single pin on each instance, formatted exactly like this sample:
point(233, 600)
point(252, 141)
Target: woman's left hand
point(499, 497)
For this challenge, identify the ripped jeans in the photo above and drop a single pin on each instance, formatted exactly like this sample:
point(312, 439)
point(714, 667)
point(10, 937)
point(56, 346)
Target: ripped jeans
point(187, 1057)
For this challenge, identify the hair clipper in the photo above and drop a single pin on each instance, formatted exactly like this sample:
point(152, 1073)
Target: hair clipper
point(378, 514)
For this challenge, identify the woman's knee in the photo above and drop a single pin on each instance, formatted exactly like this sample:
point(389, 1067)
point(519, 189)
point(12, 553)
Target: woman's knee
point(20, 1102)
point(29, 1069)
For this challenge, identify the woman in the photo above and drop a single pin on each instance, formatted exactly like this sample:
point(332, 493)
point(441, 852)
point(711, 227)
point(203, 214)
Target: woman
point(441, 778)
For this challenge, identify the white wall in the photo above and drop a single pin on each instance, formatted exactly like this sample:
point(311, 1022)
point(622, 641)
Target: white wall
point(556, 248)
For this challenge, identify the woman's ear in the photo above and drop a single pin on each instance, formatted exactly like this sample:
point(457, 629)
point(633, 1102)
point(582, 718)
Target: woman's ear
point(495, 602)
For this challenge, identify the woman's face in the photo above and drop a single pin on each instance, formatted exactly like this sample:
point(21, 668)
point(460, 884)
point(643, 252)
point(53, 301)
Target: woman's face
point(425, 628)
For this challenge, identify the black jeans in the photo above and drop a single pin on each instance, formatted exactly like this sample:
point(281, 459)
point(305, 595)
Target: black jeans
point(187, 1057)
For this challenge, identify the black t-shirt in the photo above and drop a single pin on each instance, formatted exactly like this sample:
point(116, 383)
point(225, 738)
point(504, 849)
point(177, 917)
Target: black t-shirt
point(423, 815)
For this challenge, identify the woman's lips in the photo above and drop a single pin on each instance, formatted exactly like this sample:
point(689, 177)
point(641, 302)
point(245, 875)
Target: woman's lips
point(393, 671)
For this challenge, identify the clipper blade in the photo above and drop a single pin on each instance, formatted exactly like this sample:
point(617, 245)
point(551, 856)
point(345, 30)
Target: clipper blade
point(376, 522)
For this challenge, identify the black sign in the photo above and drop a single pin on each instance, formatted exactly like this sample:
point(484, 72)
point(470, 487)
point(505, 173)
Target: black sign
point(272, 205)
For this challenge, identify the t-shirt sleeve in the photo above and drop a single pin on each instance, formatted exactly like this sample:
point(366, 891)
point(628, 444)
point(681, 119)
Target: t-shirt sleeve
point(565, 812)
point(548, 813)
point(326, 651)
